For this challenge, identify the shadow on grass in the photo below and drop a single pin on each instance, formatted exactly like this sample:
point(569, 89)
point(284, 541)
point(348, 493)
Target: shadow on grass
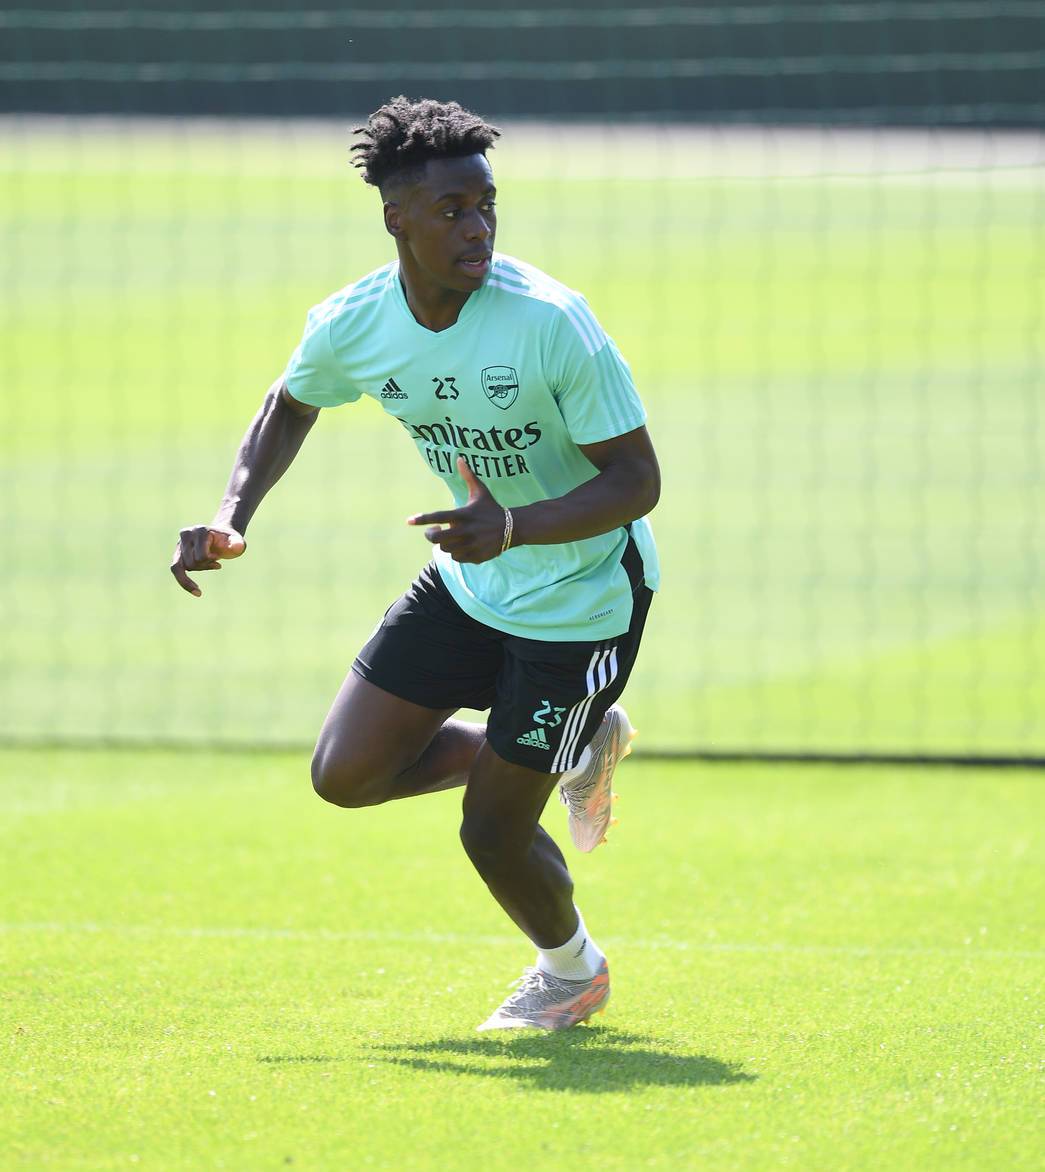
point(593, 1059)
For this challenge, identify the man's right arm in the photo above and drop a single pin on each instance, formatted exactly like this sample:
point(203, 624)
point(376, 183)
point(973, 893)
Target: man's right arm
point(267, 451)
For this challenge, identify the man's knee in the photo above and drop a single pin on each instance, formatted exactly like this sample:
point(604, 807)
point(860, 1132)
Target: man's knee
point(346, 781)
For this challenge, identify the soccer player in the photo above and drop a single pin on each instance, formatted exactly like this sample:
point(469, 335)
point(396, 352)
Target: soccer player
point(542, 573)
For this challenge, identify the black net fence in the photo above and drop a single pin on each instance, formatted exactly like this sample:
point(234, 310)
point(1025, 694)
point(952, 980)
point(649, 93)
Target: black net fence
point(816, 231)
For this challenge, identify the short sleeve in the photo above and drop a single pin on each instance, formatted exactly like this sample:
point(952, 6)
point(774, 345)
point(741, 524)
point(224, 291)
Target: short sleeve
point(590, 379)
point(314, 375)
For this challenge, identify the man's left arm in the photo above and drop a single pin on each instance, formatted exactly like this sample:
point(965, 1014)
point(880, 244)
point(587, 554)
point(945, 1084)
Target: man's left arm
point(626, 487)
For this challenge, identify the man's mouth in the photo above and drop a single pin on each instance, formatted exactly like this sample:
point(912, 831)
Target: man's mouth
point(476, 263)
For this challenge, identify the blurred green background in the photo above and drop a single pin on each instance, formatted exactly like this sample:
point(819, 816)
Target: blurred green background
point(817, 232)
point(840, 351)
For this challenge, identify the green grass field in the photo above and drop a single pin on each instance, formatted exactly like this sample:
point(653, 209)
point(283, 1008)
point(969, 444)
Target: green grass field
point(844, 380)
point(201, 966)
point(205, 967)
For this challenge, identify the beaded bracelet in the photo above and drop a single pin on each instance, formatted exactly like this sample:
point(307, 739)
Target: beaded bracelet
point(509, 525)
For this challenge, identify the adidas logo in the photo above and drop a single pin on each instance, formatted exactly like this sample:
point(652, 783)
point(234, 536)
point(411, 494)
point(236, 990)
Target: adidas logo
point(534, 740)
point(392, 390)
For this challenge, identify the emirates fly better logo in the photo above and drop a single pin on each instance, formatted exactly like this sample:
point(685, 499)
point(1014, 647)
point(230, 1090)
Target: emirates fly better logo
point(501, 385)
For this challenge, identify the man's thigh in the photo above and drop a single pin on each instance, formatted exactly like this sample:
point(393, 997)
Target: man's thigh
point(552, 697)
point(425, 659)
point(370, 734)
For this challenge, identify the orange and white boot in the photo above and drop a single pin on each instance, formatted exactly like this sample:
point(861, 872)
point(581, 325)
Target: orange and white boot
point(587, 791)
point(544, 1002)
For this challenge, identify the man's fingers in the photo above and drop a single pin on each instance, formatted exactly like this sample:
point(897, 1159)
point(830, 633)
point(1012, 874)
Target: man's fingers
point(448, 539)
point(183, 579)
point(190, 545)
point(446, 517)
point(476, 488)
point(200, 548)
point(457, 544)
point(223, 545)
point(451, 544)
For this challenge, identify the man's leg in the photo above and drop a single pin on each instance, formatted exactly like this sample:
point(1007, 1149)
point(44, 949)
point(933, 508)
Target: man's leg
point(518, 860)
point(527, 875)
point(389, 733)
point(375, 747)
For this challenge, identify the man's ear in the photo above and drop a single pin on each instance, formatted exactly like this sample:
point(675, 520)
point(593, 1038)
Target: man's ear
point(393, 219)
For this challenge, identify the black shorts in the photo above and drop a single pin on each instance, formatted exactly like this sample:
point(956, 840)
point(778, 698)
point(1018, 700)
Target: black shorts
point(546, 699)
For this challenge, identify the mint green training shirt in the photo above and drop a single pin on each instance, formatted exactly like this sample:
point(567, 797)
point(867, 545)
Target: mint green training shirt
point(522, 377)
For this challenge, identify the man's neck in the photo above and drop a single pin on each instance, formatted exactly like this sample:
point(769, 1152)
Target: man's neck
point(434, 308)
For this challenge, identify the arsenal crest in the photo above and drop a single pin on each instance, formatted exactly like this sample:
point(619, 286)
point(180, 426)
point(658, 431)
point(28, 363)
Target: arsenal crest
point(501, 385)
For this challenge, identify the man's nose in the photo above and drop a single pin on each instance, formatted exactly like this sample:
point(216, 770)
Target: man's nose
point(478, 227)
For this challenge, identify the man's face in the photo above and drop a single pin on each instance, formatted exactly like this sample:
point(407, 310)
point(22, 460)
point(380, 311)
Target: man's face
point(447, 221)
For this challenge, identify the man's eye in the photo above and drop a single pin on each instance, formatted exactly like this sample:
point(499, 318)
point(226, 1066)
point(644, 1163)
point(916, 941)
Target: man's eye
point(451, 214)
point(489, 205)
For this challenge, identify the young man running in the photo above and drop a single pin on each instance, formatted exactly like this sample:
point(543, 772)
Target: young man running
point(534, 602)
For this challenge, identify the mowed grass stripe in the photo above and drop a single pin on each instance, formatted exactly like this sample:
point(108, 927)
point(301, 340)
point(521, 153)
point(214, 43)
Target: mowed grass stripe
point(202, 965)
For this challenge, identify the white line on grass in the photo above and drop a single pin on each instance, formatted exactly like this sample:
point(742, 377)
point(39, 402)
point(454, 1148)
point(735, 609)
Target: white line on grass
point(322, 935)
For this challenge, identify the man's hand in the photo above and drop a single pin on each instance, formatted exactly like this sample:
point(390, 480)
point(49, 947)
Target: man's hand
point(201, 548)
point(474, 532)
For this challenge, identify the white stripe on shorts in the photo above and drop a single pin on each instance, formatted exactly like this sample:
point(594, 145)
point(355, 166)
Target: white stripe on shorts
point(602, 671)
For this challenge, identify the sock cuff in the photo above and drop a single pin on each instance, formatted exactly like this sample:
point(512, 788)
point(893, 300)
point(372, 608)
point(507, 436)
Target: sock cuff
point(578, 959)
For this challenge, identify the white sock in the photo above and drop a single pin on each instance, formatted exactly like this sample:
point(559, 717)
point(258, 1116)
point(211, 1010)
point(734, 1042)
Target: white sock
point(576, 960)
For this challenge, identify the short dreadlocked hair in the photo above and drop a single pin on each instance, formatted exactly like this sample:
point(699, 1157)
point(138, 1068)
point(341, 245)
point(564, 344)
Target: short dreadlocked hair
point(402, 135)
